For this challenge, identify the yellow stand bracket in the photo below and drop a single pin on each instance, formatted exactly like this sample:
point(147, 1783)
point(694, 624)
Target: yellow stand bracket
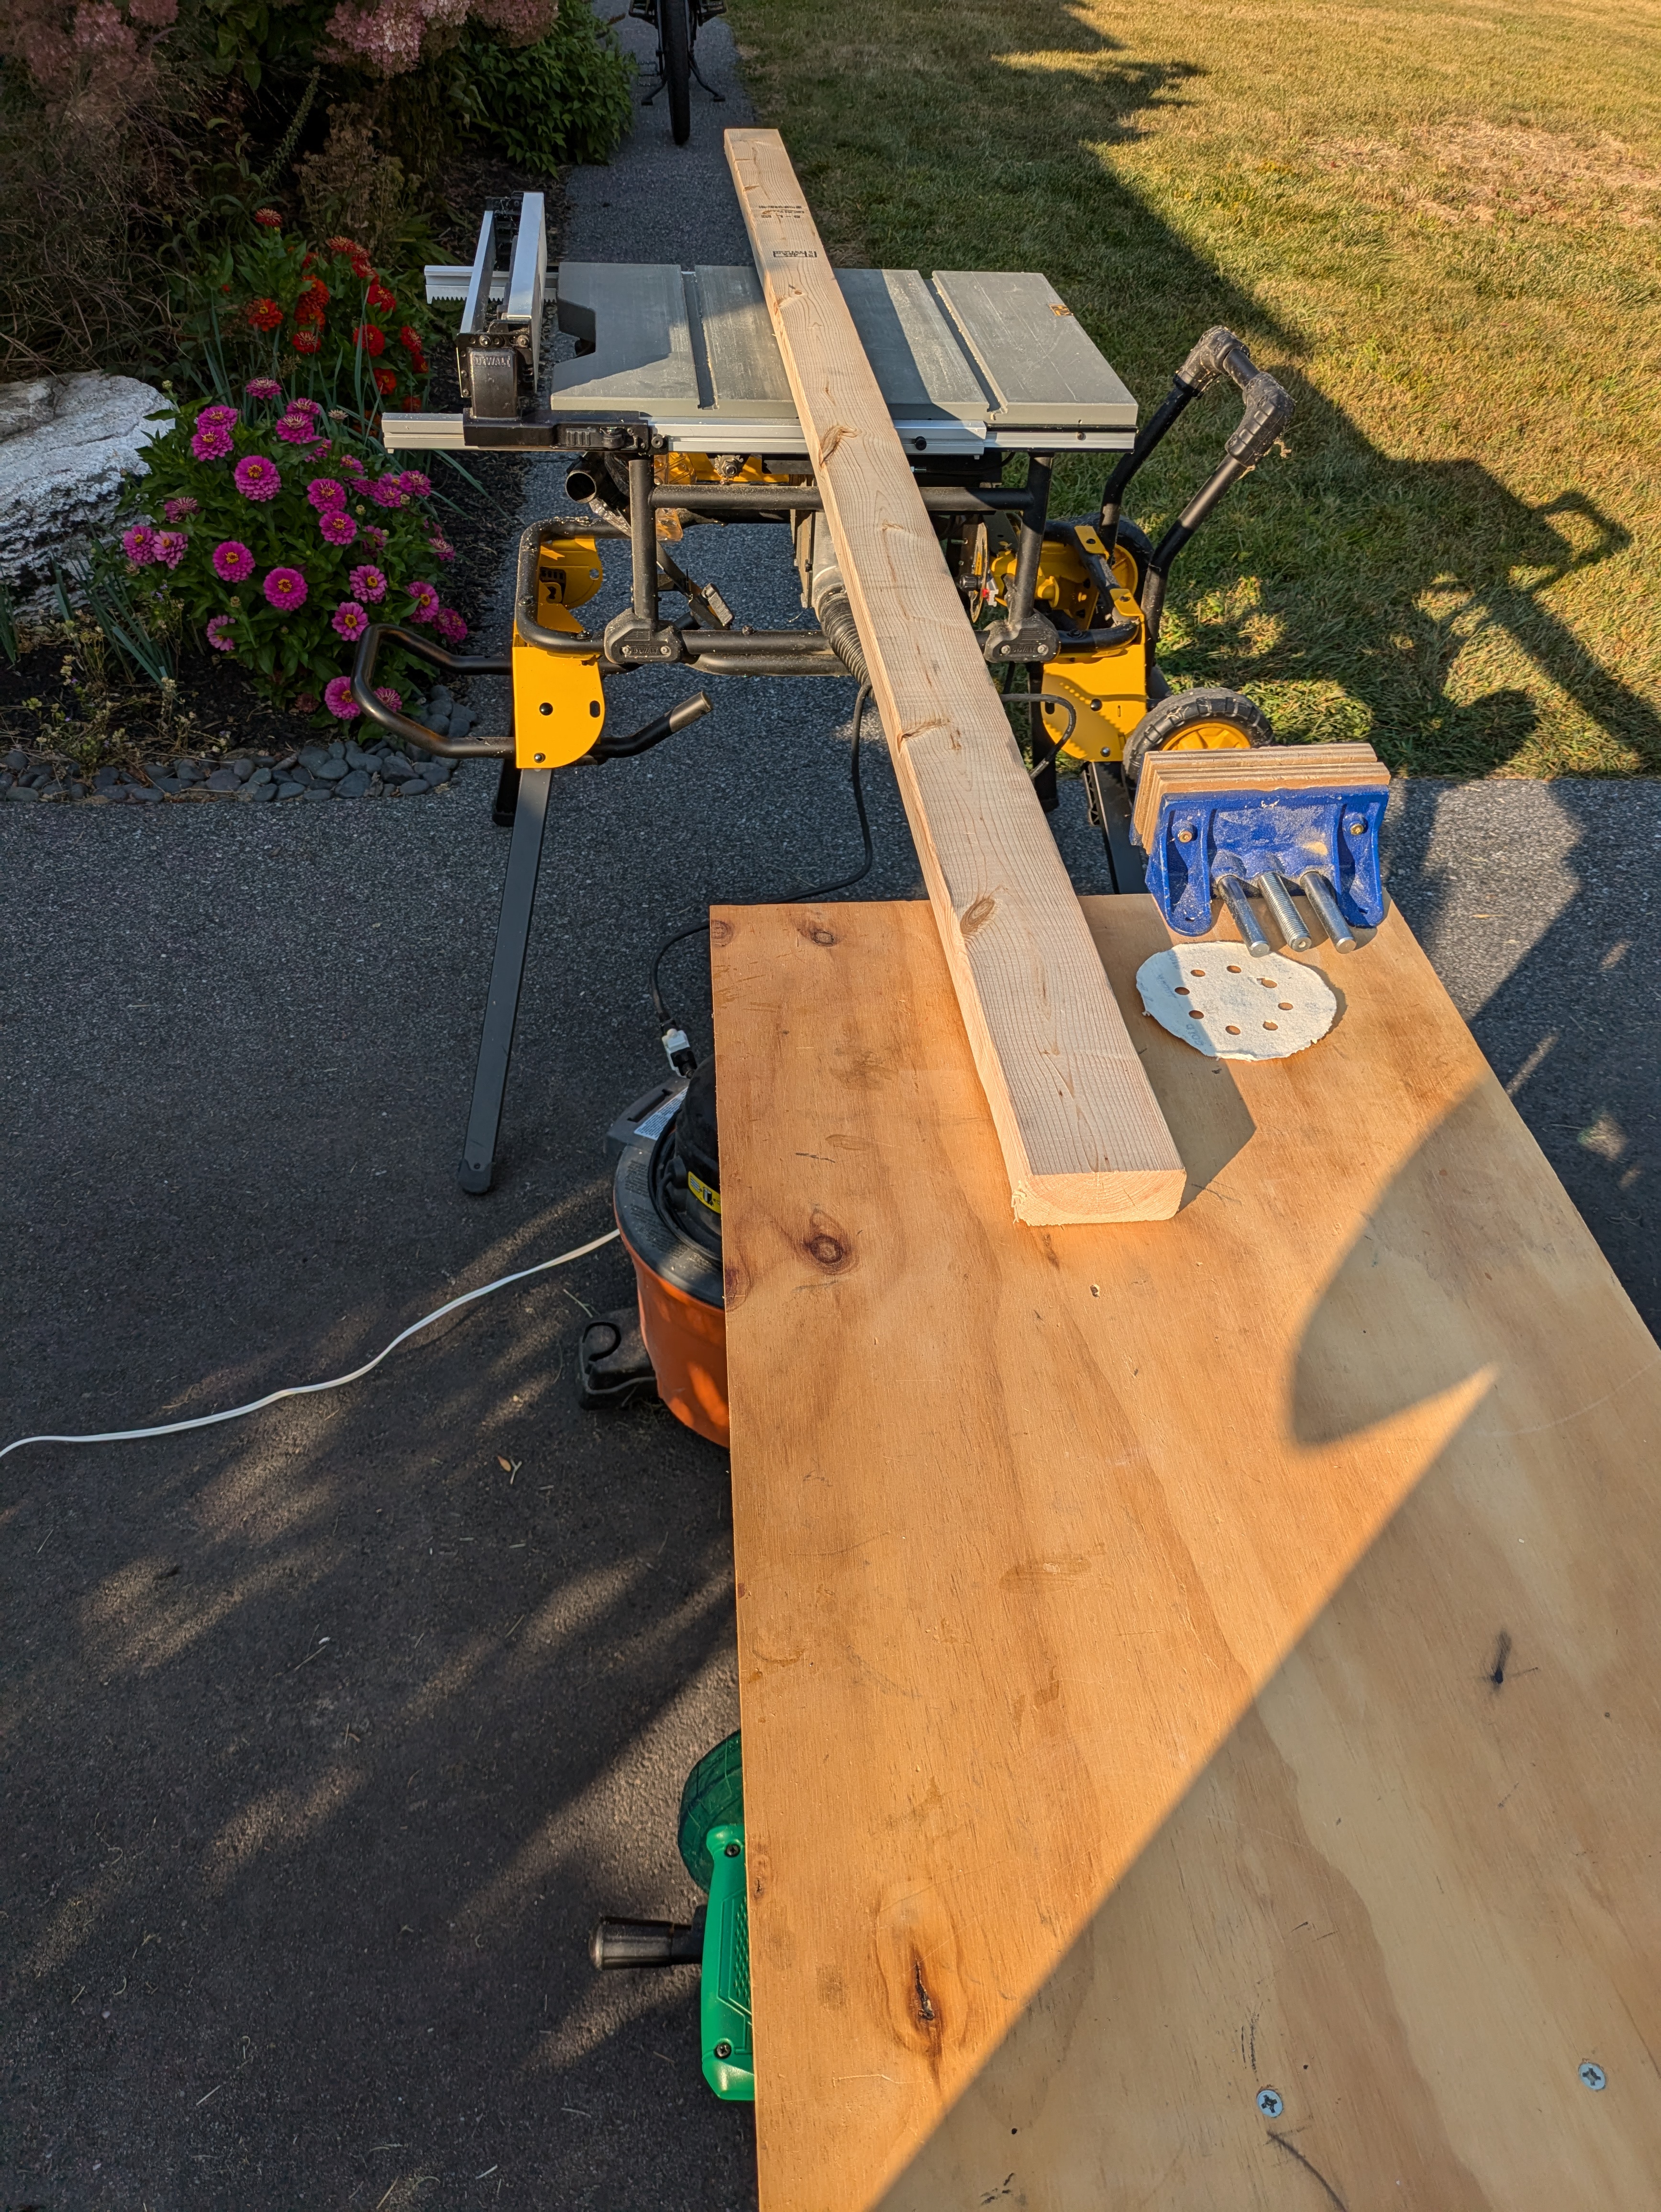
point(559, 708)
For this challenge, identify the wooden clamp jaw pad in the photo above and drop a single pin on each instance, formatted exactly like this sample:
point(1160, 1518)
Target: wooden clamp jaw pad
point(1273, 811)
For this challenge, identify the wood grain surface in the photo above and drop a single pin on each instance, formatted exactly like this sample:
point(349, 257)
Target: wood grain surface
point(1082, 1137)
point(1261, 768)
point(1184, 1662)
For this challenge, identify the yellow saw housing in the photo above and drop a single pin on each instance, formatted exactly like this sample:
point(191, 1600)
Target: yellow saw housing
point(559, 707)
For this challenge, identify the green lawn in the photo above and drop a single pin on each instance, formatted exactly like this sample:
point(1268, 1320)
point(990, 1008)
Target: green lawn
point(1440, 224)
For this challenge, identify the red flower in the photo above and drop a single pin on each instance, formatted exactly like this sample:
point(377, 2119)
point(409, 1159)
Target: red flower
point(371, 337)
point(410, 340)
point(264, 314)
point(380, 299)
point(344, 245)
point(412, 404)
point(386, 381)
point(269, 219)
point(309, 315)
point(363, 271)
point(315, 288)
point(307, 342)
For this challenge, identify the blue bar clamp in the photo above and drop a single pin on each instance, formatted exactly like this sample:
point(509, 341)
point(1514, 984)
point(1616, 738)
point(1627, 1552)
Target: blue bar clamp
point(1246, 835)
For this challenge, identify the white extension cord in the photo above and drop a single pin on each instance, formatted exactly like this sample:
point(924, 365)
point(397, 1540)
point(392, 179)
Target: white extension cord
point(300, 1389)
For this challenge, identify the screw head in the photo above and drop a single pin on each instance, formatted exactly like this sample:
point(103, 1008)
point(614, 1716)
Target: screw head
point(1358, 829)
point(1270, 2104)
point(1593, 2076)
point(546, 708)
point(539, 756)
point(723, 2049)
point(732, 1851)
point(1185, 836)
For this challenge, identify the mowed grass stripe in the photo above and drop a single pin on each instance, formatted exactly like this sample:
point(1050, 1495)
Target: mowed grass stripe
point(1440, 225)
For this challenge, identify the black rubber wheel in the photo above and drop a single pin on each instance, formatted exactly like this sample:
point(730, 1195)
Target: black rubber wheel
point(675, 24)
point(1195, 720)
point(713, 1798)
point(1135, 541)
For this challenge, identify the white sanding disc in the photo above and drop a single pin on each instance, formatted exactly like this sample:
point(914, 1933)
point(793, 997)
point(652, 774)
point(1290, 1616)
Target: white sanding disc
point(1223, 1003)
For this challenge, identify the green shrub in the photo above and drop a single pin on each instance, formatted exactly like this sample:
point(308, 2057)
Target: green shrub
point(565, 99)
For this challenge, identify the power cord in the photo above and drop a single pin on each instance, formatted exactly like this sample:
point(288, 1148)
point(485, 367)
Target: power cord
point(301, 1389)
point(676, 1042)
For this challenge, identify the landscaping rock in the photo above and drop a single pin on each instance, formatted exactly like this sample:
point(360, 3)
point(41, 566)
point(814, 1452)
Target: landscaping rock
point(353, 785)
point(224, 778)
point(65, 446)
point(332, 771)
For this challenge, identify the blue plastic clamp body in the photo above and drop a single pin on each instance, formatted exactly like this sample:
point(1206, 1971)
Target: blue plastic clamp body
point(1248, 834)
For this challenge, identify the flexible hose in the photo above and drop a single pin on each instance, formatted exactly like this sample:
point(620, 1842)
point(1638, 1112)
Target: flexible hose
point(301, 1389)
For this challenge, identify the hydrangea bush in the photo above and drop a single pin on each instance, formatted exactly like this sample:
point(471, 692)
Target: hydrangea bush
point(280, 543)
point(321, 320)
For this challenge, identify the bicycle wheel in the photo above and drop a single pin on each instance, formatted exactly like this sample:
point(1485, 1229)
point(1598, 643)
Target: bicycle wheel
point(675, 24)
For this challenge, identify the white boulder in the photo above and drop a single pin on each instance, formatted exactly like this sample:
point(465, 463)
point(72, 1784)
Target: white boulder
point(65, 443)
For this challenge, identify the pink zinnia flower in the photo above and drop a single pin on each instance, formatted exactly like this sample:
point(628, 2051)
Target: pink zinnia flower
point(450, 626)
point(305, 407)
point(353, 466)
point(337, 526)
point(264, 388)
point(348, 620)
point(367, 583)
point(424, 602)
point(232, 560)
point(178, 510)
point(211, 442)
point(443, 549)
point(286, 589)
point(374, 533)
point(138, 543)
point(415, 485)
point(388, 697)
point(170, 547)
point(297, 429)
point(219, 634)
point(386, 491)
point(218, 413)
point(257, 478)
point(323, 491)
point(337, 698)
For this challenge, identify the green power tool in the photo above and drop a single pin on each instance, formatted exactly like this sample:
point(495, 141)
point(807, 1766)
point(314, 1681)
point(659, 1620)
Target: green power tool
point(710, 1833)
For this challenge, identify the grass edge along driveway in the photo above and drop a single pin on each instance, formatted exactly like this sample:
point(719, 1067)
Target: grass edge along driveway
point(1439, 222)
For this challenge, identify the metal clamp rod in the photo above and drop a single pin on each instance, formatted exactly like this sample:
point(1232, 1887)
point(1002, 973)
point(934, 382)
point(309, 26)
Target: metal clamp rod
point(718, 662)
point(642, 541)
point(401, 725)
point(741, 499)
point(1096, 640)
point(1288, 919)
point(1239, 906)
point(1039, 469)
point(1328, 912)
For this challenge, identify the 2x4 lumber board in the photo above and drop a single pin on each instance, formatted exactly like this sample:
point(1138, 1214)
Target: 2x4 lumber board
point(1082, 1137)
point(1183, 1660)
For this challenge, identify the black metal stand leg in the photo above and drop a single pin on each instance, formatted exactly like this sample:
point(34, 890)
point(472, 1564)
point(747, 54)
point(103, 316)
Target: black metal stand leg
point(1109, 810)
point(507, 799)
point(496, 1044)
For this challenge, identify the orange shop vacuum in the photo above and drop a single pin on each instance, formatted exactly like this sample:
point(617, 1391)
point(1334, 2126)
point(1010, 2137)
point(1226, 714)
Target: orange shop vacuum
point(666, 1193)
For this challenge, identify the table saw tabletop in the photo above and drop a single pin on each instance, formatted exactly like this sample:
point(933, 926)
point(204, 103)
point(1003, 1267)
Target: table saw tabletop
point(969, 361)
point(1198, 1679)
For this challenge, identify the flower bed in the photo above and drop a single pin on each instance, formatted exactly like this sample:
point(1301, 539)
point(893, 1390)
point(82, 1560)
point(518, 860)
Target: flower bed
point(279, 544)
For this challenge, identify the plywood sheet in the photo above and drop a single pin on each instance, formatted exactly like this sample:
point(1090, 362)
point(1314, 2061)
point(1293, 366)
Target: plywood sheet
point(1186, 1661)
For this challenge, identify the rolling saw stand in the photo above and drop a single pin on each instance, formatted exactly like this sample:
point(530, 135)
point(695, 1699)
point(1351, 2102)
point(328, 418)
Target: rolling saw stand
point(677, 413)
